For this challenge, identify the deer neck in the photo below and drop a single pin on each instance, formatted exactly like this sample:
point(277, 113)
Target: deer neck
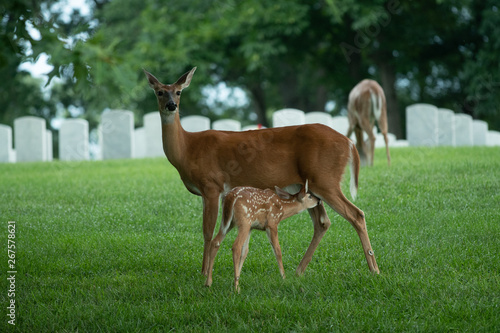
point(290, 208)
point(173, 137)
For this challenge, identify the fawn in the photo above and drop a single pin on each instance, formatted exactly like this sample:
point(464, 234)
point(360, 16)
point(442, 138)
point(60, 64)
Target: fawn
point(251, 208)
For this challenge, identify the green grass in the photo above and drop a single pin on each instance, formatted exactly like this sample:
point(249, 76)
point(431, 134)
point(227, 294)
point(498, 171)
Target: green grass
point(116, 246)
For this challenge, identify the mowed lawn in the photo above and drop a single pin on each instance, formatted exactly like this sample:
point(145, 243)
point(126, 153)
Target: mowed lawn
point(116, 246)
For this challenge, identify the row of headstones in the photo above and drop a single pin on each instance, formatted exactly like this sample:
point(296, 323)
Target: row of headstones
point(118, 138)
point(290, 117)
point(427, 125)
point(33, 141)
point(286, 117)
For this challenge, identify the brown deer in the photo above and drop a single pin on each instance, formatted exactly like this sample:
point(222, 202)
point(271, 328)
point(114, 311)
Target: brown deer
point(210, 163)
point(366, 105)
point(250, 208)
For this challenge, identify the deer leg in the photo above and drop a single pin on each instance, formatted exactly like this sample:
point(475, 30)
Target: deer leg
point(272, 234)
point(214, 248)
point(321, 223)
point(372, 147)
point(361, 146)
point(368, 128)
point(353, 121)
point(240, 251)
point(387, 149)
point(350, 130)
point(356, 217)
point(244, 253)
point(210, 212)
point(382, 124)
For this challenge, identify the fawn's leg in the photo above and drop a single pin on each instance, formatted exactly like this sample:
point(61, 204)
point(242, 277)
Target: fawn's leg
point(272, 234)
point(240, 251)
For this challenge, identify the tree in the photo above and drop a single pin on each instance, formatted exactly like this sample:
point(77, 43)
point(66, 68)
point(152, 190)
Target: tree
point(413, 49)
point(284, 53)
point(481, 72)
point(20, 94)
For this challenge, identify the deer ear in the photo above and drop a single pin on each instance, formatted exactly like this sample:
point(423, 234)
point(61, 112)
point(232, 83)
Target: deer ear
point(153, 82)
point(185, 79)
point(303, 191)
point(282, 193)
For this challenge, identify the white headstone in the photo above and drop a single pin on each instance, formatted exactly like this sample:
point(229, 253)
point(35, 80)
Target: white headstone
point(288, 117)
point(400, 144)
point(227, 125)
point(392, 138)
point(6, 152)
point(117, 134)
point(446, 127)
point(480, 129)
point(318, 117)
point(493, 138)
point(195, 123)
point(422, 125)
point(251, 127)
point(340, 124)
point(463, 130)
point(140, 145)
point(152, 132)
point(74, 140)
point(380, 142)
point(30, 136)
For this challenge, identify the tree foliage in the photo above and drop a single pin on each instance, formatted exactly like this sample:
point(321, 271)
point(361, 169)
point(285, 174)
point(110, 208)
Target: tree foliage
point(20, 94)
point(281, 53)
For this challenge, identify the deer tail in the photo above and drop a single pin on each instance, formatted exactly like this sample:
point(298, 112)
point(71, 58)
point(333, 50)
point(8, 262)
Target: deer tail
point(376, 104)
point(227, 212)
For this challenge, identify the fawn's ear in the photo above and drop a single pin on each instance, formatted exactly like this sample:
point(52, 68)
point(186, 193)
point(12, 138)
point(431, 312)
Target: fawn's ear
point(153, 82)
point(282, 193)
point(185, 79)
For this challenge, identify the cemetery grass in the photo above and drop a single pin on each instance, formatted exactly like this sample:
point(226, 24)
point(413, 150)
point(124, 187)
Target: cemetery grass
point(116, 246)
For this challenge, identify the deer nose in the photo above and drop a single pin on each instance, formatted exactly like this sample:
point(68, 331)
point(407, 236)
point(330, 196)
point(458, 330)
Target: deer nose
point(171, 106)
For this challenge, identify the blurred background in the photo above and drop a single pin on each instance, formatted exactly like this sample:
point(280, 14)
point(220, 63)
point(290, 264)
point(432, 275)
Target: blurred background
point(77, 58)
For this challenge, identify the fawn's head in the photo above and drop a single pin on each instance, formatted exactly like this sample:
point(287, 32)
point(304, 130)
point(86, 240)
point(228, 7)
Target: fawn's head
point(304, 196)
point(169, 95)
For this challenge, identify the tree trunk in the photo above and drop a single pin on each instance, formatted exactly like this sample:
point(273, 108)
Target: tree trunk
point(296, 93)
point(288, 89)
point(388, 78)
point(320, 99)
point(259, 99)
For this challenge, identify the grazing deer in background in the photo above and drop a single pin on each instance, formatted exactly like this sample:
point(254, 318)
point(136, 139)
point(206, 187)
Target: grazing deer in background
point(210, 163)
point(249, 208)
point(366, 105)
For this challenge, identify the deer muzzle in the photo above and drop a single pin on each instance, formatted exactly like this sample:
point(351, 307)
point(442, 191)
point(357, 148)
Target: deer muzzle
point(171, 106)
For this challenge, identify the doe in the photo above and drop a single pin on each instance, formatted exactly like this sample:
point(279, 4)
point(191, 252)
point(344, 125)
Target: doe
point(366, 105)
point(251, 208)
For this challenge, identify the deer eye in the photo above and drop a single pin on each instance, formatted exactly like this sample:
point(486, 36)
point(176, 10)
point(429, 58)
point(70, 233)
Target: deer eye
point(160, 93)
point(178, 93)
